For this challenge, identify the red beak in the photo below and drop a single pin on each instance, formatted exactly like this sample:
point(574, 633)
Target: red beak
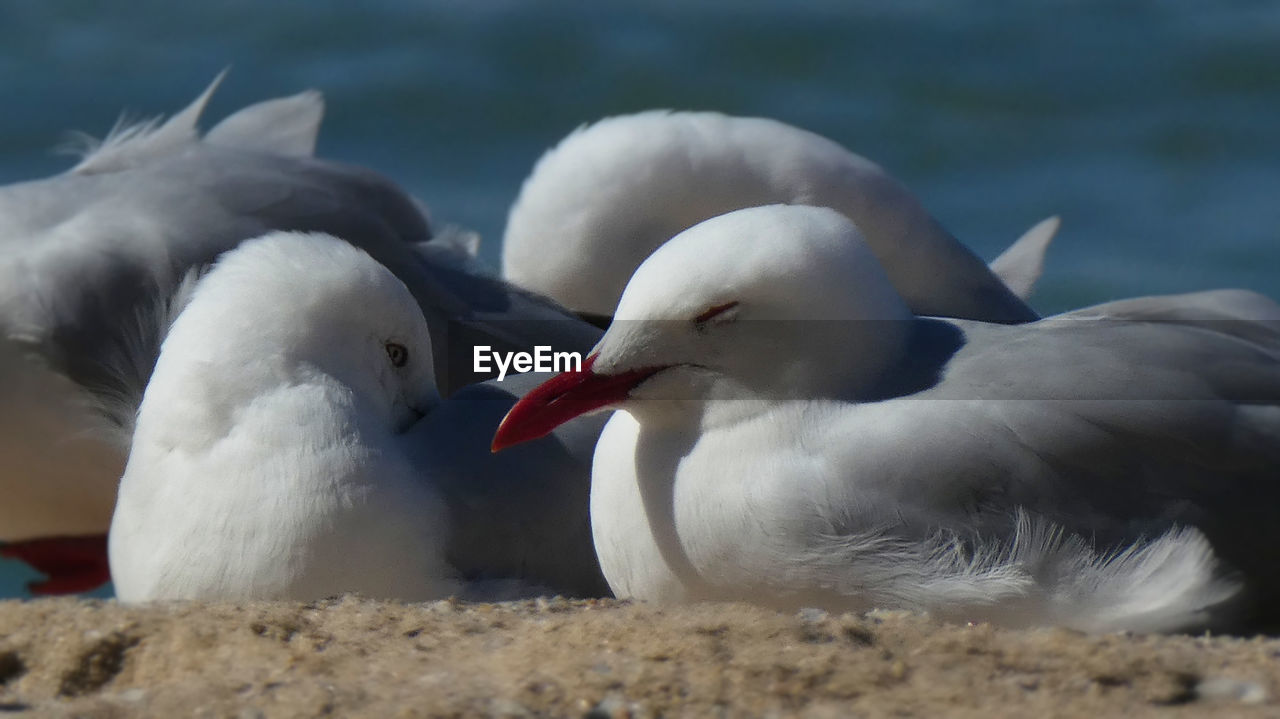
point(561, 398)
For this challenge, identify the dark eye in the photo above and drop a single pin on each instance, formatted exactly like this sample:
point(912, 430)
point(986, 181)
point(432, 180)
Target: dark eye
point(711, 313)
point(398, 353)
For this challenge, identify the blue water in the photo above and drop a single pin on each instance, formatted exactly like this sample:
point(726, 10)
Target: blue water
point(1150, 127)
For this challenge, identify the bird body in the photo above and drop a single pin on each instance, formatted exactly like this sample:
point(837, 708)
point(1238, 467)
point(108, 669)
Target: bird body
point(612, 192)
point(265, 462)
point(817, 444)
point(292, 444)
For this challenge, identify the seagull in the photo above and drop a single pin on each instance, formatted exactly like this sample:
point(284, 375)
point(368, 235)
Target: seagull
point(264, 461)
point(610, 193)
point(788, 432)
point(281, 451)
point(89, 257)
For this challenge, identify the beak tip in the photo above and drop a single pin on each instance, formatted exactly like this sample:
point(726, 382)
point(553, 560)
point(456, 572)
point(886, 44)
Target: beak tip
point(501, 440)
point(558, 400)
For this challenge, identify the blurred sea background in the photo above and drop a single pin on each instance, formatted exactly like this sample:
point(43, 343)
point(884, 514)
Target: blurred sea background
point(1151, 128)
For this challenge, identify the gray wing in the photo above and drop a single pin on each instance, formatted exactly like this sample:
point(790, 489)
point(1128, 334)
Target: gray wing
point(82, 257)
point(1115, 423)
point(463, 308)
point(517, 514)
point(86, 258)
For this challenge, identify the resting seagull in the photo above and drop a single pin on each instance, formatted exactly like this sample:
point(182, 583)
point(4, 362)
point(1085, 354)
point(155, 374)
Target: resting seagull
point(281, 451)
point(610, 193)
point(88, 257)
point(791, 434)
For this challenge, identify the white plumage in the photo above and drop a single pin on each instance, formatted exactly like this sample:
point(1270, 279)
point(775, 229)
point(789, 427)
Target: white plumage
point(793, 435)
point(266, 461)
point(610, 193)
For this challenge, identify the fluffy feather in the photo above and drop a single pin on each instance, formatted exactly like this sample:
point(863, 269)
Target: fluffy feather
point(1041, 576)
point(133, 143)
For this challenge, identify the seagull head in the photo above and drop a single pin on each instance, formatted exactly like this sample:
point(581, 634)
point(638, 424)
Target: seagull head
point(287, 308)
point(774, 302)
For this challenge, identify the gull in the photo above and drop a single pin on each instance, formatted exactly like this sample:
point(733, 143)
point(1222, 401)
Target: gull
point(610, 193)
point(788, 432)
point(264, 461)
point(281, 450)
point(88, 258)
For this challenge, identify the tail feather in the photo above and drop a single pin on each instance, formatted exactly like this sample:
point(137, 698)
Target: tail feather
point(1162, 585)
point(1021, 265)
point(282, 126)
point(130, 144)
point(1039, 577)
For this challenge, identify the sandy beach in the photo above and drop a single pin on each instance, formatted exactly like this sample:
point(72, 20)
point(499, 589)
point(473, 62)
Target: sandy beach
point(356, 657)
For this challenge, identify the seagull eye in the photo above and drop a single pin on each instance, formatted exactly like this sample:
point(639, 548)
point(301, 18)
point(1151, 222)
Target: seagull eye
point(398, 353)
point(721, 313)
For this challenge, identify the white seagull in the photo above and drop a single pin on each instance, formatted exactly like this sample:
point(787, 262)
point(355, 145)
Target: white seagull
point(265, 460)
point(87, 257)
point(791, 434)
point(280, 451)
point(610, 193)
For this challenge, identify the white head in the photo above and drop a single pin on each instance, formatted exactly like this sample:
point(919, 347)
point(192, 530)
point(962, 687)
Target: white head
point(287, 307)
point(781, 301)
